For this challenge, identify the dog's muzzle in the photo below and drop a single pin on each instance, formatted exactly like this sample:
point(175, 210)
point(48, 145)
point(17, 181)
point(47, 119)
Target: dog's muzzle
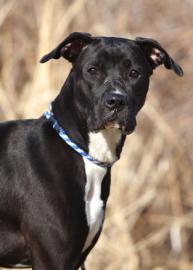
point(121, 111)
point(115, 109)
point(120, 106)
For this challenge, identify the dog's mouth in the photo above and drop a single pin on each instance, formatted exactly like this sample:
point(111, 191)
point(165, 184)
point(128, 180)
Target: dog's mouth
point(125, 123)
point(123, 128)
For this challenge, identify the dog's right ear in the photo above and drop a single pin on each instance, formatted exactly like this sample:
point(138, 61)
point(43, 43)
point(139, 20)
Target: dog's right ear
point(69, 48)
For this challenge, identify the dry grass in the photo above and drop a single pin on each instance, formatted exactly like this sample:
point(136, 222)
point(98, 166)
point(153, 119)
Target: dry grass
point(149, 222)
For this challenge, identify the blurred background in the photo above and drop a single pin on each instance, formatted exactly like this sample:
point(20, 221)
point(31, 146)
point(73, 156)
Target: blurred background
point(149, 221)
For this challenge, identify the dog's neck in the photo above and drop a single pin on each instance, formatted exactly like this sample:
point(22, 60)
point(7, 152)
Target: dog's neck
point(67, 114)
point(105, 145)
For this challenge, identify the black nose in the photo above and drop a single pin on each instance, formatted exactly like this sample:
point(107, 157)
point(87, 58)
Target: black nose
point(115, 100)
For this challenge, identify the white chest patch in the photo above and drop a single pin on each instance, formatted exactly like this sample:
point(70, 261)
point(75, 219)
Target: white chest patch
point(102, 146)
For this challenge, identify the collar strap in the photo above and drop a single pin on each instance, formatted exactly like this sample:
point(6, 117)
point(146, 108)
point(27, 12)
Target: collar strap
point(63, 135)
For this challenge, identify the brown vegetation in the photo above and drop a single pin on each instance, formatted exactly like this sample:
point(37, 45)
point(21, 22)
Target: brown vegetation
point(149, 223)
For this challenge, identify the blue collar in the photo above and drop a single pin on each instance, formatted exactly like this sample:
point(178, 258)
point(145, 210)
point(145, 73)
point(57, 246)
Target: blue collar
point(63, 135)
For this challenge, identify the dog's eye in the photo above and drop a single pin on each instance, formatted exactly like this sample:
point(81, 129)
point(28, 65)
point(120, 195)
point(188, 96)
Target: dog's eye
point(92, 70)
point(134, 74)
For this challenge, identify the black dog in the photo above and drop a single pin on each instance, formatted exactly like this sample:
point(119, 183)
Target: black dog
point(53, 193)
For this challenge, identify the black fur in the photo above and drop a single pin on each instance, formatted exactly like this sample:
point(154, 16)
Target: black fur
point(42, 180)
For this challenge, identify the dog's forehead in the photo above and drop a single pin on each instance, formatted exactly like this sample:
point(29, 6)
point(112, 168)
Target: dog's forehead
point(112, 48)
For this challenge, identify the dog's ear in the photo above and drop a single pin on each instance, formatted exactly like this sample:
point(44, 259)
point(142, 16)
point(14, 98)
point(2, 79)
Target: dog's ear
point(157, 55)
point(69, 48)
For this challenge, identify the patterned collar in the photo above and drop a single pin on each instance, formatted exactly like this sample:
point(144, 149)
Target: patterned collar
point(63, 135)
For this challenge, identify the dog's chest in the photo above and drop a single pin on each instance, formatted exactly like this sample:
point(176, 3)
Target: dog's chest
point(103, 147)
point(93, 203)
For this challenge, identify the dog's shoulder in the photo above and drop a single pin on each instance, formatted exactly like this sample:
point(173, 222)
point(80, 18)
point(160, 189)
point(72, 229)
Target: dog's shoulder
point(14, 134)
point(14, 127)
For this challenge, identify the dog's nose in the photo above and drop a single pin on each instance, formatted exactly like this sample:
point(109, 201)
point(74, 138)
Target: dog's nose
point(115, 100)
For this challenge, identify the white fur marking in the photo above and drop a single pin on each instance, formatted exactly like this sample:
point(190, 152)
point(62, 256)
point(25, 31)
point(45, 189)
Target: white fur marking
point(93, 202)
point(102, 146)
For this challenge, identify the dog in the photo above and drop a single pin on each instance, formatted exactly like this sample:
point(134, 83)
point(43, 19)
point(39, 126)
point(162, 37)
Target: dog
point(55, 170)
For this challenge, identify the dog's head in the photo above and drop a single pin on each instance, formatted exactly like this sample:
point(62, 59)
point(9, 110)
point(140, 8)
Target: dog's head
point(112, 76)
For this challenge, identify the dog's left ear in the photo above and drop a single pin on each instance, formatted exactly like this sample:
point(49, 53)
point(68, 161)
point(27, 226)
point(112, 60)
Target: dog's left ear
point(157, 55)
point(69, 48)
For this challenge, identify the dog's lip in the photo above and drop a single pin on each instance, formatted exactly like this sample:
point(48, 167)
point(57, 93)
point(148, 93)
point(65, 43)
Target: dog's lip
point(109, 125)
point(127, 132)
point(121, 127)
point(126, 127)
